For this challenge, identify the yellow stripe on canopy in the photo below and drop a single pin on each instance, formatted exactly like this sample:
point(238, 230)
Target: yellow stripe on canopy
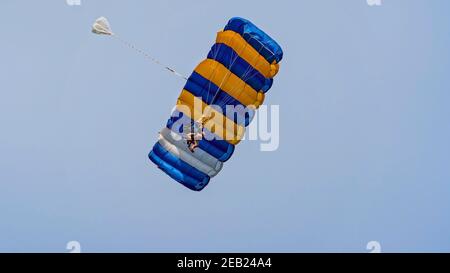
point(247, 52)
point(234, 86)
point(219, 124)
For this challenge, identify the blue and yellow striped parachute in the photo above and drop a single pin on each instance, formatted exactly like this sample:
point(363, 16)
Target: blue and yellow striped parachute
point(238, 71)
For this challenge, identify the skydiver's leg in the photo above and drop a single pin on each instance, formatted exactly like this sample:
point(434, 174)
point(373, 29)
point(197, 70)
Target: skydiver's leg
point(190, 144)
point(192, 148)
point(195, 145)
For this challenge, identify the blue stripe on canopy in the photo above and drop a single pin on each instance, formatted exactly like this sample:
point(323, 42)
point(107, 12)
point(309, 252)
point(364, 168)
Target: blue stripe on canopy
point(259, 40)
point(231, 60)
point(201, 87)
point(178, 169)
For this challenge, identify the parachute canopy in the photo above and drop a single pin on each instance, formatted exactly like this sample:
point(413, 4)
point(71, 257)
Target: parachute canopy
point(101, 27)
point(238, 71)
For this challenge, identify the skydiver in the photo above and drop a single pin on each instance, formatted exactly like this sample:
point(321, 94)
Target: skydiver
point(192, 139)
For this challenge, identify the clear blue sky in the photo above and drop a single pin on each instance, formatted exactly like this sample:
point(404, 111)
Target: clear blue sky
point(364, 150)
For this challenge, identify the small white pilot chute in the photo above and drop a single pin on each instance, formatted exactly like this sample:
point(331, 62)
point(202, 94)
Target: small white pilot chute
point(101, 27)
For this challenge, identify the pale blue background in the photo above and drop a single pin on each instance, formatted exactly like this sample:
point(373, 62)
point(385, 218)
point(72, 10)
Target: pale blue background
point(364, 152)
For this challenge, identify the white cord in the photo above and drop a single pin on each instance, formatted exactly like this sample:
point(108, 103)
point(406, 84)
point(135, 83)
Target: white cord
point(145, 54)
